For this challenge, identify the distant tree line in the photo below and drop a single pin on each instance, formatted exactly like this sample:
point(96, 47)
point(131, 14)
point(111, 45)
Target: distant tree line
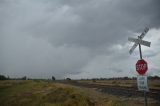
point(153, 77)
point(114, 78)
point(122, 78)
point(2, 77)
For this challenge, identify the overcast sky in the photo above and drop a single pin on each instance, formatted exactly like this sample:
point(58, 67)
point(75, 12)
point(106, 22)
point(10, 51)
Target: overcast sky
point(77, 38)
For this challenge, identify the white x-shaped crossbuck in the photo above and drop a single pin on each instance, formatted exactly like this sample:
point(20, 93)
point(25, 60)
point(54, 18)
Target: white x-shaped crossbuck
point(139, 40)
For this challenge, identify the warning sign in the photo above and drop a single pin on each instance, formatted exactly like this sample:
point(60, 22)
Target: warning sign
point(142, 83)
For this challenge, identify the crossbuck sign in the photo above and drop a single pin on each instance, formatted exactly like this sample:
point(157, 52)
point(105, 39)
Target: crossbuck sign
point(139, 40)
point(141, 65)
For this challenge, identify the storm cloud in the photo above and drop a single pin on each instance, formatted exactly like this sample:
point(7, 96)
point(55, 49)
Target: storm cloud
point(75, 38)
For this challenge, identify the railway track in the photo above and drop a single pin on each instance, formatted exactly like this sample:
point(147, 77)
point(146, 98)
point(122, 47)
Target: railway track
point(119, 90)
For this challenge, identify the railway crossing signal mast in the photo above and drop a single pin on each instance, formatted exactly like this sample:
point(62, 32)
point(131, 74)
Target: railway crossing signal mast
point(141, 65)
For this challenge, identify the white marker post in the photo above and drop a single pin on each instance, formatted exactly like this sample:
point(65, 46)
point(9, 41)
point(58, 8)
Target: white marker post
point(141, 80)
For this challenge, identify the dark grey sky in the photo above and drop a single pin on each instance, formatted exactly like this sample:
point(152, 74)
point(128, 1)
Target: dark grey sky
point(76, 38)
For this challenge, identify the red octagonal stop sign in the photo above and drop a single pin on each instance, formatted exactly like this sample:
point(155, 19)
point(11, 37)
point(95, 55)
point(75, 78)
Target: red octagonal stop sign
point(141, 67)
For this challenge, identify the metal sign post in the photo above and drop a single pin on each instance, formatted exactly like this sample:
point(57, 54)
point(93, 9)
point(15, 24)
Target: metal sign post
point(140, 53)
point(140, 42)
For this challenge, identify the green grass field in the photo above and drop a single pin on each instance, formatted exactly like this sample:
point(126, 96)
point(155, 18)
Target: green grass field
point(43, 93)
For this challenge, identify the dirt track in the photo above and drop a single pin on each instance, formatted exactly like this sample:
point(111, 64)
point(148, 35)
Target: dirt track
point(119, 91)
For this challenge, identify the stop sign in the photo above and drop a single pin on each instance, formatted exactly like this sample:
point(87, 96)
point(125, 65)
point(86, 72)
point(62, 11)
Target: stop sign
point(141, 67)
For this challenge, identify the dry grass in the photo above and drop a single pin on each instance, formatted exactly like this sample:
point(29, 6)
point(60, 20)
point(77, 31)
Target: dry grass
point(153, 84)
point(40, 93)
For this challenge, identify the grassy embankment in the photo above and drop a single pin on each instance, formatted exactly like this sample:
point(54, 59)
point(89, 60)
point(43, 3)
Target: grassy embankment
point(40, 93)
